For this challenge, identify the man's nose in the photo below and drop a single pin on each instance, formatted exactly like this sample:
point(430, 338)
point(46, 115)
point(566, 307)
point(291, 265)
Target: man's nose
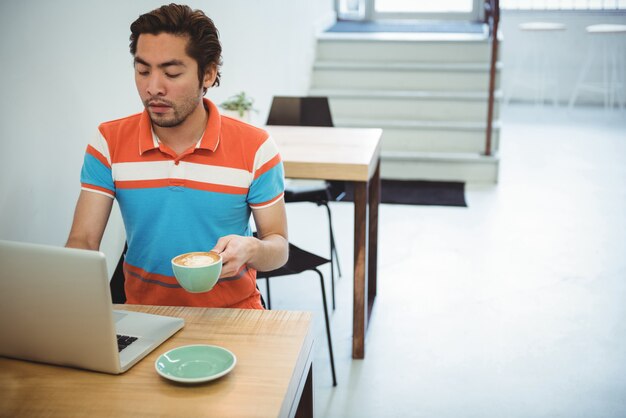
point(155, 85)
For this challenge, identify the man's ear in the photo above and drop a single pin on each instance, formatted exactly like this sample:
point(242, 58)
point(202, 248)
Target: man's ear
point(209, 76)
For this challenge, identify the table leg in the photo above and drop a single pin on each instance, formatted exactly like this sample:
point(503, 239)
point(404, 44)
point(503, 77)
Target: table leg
point(365, 257)
point(305, 406)
point(372, 268)
point(359, 324)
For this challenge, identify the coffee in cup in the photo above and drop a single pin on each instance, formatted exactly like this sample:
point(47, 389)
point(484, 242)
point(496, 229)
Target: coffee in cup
point(197, 259)
point(197, 271)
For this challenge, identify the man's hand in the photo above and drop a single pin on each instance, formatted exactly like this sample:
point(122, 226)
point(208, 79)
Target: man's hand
point(268, 252)
point(235, 251)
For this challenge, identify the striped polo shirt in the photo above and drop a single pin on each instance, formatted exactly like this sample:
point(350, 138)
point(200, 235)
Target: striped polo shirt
point(172, 204)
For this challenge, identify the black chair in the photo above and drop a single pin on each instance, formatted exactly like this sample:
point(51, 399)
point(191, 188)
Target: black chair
point(118, 294)
point(310, 111)
point(299, 262)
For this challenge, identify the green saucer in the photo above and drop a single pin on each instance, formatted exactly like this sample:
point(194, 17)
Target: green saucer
point(195, 363)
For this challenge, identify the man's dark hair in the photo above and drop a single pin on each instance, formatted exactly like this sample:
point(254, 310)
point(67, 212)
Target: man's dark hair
point(204, 44)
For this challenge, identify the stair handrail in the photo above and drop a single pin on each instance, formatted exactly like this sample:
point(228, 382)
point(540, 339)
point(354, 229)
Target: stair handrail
point(492, 18)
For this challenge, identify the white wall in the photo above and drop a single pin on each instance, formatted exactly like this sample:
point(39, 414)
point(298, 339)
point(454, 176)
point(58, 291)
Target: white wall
point(569, 47)
point(66, 68)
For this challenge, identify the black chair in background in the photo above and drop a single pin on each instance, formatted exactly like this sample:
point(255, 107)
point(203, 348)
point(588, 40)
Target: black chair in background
point(118, 294)
point(310, 111)
point(300, 111)
point(299, 262)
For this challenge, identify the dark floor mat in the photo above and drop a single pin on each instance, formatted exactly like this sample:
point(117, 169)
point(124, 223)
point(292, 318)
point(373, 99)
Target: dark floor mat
point(419, 192)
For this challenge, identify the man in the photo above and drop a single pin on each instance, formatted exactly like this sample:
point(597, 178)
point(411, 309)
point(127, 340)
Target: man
point(186, 179)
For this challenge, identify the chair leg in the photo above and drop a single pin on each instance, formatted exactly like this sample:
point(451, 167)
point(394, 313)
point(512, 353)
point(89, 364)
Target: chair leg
point(330, 342)
point(261, 294)
point(269, 298)
point(334, 258)
point(332, 240)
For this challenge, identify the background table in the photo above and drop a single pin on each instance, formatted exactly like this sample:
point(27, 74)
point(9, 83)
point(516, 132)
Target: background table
point(348, 154)
point(273, 373)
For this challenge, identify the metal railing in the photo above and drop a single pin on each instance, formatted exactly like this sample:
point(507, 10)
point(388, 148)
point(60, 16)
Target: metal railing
point(492, 18)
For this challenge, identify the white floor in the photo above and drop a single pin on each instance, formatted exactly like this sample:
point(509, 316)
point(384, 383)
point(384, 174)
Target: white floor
point(512, 307)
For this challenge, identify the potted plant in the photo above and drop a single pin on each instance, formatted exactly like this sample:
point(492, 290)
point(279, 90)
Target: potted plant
point(238, 106)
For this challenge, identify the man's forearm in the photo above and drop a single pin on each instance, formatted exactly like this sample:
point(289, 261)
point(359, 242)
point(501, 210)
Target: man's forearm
point(271, 253)
point(90, 219)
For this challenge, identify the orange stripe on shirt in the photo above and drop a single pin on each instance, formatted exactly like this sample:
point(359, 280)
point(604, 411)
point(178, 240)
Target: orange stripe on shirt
point(221, 188)
point(208, 187)
point(98, 155)
point(141, 288)
point(267, 166)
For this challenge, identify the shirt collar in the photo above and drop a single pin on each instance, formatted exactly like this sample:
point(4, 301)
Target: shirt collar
point(209, 141)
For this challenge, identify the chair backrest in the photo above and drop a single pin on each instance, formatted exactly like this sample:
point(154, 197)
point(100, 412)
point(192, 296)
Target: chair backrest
point(305, 111)
point(300, 111)
point(118, 294)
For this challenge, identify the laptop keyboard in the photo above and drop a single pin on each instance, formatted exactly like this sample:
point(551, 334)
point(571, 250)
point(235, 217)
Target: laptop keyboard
point(124, 341)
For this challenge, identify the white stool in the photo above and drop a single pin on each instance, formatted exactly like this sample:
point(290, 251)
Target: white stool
point(606, 54)
point(541, 55)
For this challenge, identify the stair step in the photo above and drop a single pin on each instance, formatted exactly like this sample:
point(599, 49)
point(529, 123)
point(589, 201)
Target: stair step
point(429, 136)
point(398, 140)
point(402, 76)
point(451, 125)
point(405, 94)
point(403, 36)
point(392, 47)
point(378, 79)
point(466, 167)
point(408, 105)
point(405, 66)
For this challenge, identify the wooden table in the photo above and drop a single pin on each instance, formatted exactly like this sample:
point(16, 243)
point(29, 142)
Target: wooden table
point(353, 155)
point(272, 377)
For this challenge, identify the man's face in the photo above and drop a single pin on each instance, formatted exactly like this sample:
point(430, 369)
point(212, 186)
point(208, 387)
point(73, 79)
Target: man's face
point(167, 79)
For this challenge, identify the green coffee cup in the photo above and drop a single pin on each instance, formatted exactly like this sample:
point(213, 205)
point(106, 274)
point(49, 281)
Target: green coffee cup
point(197, 271)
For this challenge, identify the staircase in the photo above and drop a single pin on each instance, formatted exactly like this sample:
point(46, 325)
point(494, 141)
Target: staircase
point(427, 91)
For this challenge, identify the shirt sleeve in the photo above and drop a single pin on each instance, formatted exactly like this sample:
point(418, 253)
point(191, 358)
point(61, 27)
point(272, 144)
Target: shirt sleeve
point(96, 175)
point(268, 184)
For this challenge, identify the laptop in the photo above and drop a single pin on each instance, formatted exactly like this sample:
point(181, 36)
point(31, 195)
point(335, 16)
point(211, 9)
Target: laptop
point(55, 307)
